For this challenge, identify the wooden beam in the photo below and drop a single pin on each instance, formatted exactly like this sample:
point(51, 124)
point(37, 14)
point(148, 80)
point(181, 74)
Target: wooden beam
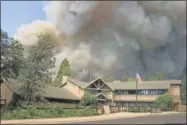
point(93, 88)
point(102, 85)
point(99, 89)
point(106, 86)
point(104, 89)
point(99, 82)
point(94, 85)
point(102, 99)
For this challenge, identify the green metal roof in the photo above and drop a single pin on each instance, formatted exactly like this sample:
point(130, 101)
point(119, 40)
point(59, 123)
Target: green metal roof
point(82, 84)
point(59, 93)
point(131, 85)
point(49, 91)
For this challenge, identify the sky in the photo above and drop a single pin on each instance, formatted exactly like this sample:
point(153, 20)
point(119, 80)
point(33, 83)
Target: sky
point(16, 13)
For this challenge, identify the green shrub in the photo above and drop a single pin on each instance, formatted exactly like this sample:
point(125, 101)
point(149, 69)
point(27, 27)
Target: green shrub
point(16, 114)
point(57, 111)
point(89, 99)
point(164, 102)
point(54, 112)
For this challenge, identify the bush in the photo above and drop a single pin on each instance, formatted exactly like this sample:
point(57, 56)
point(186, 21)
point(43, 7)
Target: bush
point(89, 99)
point(164, 102)
point(54, 112)
point(49, 105)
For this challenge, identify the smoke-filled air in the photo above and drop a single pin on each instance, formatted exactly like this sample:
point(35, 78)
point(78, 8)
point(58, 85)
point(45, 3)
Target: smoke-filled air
point(113, 38)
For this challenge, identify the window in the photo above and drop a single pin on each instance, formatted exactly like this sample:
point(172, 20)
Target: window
point(151, 92)
point(125, 92)
point(132, 103)
point(122, 92)
point(141, 92)
point(125, 103)
point(118, 103)
point(132, 92)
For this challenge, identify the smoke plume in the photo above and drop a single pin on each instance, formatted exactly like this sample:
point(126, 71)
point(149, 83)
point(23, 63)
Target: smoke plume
point(113, 38)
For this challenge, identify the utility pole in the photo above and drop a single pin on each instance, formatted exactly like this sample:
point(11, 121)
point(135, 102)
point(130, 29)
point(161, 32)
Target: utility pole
point(136, 91)
point(99, 72)
point(113, 71)
point(90, 71)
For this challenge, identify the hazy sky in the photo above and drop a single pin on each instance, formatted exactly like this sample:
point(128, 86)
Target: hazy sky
point(15, 13)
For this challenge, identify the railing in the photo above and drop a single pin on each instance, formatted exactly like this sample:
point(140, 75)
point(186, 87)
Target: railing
point(133, 97)
point(114, 109)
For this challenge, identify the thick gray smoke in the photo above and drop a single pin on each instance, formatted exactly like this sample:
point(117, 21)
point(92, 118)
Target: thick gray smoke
point(113, 38)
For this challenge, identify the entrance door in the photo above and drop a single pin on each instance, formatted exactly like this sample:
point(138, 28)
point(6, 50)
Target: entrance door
point(102, 99)
point(176, 107)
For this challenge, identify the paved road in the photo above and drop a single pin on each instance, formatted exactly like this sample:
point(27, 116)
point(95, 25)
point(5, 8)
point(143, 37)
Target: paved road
point(179, 118)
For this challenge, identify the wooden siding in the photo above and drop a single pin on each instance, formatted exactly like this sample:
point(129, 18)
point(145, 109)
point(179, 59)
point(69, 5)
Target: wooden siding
point(174, 90)
point(74, 89)
point(6, 93)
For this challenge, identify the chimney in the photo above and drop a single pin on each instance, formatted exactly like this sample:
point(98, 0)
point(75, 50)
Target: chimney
point(64, 79)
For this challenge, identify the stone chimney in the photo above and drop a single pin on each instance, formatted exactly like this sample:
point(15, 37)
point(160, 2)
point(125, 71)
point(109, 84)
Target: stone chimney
point(64, 79)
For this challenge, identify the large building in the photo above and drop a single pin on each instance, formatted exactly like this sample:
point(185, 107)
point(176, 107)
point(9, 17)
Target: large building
point(112, 93)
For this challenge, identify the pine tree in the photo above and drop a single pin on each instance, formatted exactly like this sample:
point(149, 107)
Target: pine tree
point(64, 70)
point(59, 76)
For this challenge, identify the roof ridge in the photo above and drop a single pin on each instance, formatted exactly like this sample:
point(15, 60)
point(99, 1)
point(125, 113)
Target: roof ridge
point(77, 82)
point(96, 80)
